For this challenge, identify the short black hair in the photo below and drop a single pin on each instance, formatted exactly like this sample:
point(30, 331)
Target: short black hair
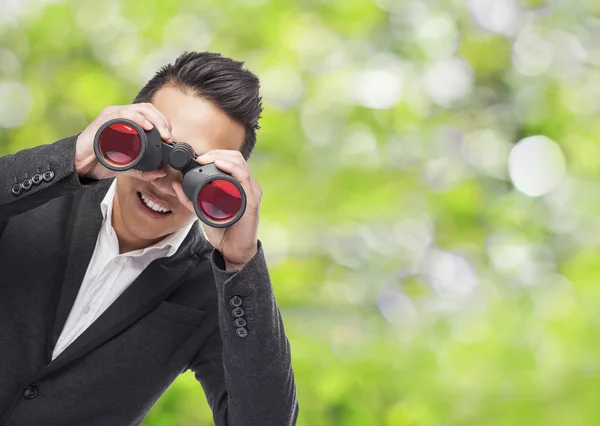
point(220, 80)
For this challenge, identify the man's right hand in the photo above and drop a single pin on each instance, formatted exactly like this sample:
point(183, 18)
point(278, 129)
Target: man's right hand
point(145, 115)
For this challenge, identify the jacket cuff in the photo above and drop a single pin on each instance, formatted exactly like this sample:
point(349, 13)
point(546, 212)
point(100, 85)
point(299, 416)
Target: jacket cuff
point(247, 306)
point(219, 267)
point(58, 159)
point(34, 176)
point(66, 154)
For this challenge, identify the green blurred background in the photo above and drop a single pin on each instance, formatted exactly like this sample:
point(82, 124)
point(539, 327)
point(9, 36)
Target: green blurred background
point(429, 170)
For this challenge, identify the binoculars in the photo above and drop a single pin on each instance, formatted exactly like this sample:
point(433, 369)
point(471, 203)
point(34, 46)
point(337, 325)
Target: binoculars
point(219, 199)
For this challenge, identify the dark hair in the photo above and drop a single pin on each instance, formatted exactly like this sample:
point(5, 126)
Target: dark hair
point(220, 80)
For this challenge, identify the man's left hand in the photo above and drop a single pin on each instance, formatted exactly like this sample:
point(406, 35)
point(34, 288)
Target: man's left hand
point(238, 242)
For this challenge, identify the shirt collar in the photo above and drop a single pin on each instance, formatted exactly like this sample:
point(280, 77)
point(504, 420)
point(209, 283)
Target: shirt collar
point(170, 243)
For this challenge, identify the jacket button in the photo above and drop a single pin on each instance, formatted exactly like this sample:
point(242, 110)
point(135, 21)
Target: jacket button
point(36, 179)
point(27, 184)
point(240, 322)
point(241, 332)
point(30, 392)
point(238, 312)
point(48, 175)
point(16, 189)
point(235, 301)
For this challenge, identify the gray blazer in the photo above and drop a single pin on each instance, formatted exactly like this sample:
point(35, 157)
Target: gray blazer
point(178, 315)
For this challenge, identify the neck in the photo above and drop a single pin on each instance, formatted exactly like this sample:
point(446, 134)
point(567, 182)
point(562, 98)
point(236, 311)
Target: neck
point(127, 241)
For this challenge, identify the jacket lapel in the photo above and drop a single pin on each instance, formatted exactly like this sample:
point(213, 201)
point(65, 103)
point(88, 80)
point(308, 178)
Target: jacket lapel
point(86, 221)
point(161, 278)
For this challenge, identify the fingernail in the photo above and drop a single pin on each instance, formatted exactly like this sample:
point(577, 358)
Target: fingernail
point(148, 124)
point(167, 133)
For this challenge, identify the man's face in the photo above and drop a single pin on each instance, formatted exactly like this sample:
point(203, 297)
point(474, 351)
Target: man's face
point(196, 122)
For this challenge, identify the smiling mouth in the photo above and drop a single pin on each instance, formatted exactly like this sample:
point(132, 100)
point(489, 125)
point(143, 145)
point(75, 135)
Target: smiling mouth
point(153, 207)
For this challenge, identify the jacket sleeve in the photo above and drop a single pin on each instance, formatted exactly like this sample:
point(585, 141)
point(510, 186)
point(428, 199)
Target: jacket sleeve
point(33, 176)
point(245, 369)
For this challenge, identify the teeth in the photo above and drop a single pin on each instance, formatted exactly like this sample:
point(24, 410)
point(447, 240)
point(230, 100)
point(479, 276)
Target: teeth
point(153, 205)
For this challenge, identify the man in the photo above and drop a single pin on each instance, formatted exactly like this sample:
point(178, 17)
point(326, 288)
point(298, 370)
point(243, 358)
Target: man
point(103, 303)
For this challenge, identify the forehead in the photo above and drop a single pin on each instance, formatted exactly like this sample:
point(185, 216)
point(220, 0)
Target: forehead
point(197, 121)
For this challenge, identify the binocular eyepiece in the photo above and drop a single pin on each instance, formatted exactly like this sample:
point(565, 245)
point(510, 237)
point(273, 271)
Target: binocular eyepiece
point(219, 199)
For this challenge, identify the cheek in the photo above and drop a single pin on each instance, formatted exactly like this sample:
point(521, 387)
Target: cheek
point(183, 214)
point(125, 185)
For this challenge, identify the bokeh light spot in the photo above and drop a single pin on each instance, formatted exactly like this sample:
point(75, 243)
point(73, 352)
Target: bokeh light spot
point(378, 88)
point(448, 81)
point(536, 165)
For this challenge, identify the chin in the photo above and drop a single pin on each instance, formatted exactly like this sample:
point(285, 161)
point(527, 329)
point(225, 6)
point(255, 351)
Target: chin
point(146, 233)
point(145, 228)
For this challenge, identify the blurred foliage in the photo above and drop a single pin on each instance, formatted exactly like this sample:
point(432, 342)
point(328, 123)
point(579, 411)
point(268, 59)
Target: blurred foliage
point(428, 271)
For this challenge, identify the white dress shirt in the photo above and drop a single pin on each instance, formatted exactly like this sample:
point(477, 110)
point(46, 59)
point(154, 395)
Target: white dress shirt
point(109, 273)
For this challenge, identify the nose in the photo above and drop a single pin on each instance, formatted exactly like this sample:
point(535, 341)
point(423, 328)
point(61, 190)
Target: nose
point(164, 184)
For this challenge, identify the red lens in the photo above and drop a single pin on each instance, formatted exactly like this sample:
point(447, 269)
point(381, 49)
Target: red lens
point(120, 144)
point(220, 200)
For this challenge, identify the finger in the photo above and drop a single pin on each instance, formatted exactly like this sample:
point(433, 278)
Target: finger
point(147, 176)
point(156, 117)
point(243, 176)
point(183, 199)
point(136, 117)
point(238, 162)
point(237, 159)
point(110, 109)
point(151, 108)
point(257, 189)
